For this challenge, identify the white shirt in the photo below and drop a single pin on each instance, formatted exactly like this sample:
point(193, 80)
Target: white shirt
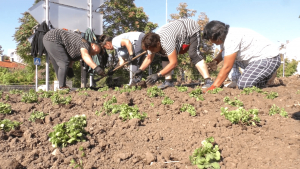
point(134, 37)
point(249, 45)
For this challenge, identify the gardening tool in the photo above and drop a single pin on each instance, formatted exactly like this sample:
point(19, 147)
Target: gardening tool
point(131, 60)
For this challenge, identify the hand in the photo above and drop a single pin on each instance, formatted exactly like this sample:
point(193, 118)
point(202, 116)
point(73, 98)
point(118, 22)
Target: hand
point(212, 66)
point(70, 72)
point(130, 58)
point(137, 73)
point(99, 71)
point(110, 72)
point(152, 79)
point(212, 87)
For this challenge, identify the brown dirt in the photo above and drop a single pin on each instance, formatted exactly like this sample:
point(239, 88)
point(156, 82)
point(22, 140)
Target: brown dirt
point(166, 135)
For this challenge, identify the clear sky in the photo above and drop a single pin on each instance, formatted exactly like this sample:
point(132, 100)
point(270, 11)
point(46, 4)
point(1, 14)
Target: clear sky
point(277, 20)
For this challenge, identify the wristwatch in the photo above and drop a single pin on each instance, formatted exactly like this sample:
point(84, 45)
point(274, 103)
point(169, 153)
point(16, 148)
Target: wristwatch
point(159, 75)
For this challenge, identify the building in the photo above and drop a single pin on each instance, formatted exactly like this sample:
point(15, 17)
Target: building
point(10, 64)
point(14, 57)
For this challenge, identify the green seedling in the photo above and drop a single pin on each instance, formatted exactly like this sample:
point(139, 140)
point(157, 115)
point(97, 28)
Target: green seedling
point(76, 165)
point(8, 125)
point(188, 108)
point(207, 156)
point(69, 132)
point(15, 91)
point(182, 88)
point(104, 96)
point(7, 97)
point(57, 99)
point(83, 94)
point(298, 92)
point(209, 59)
point(117, 89)
point(252, 89)
point(30, 97)
point(276, 110)
point(82, 89)
point(64, 91)
point(46, 94)
point(154, 92)
point(106, 88)
point(235, 102)
point(167, 100)
point(215, 91)
point(271, 95)
point(97, 113)
point(5, 108)
point(152, 104)
point(37, 115)
point(197, 93)
point(129, 89)
point(241, 116)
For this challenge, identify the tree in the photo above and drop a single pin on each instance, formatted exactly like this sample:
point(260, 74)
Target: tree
point(122, 16)
point(1, 51)
point(183, 12)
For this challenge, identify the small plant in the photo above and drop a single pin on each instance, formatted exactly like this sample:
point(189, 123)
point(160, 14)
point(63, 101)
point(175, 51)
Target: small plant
point(5, 108)
point(197, 93)
point(64, 91)
point(276, 110)
point(8, 125)
point(7, 97)
point(252, 89)
point(152, 104)
point(241, 116)
point(209, 59)
point(108, 106)
point(15, 91)
point(37, 115)
point(189, 108)
point(298, 92)
point(57, 99)
point(97, 113)
point(129, 112)
point(117, 89)
point(30, 97)
point(271, 95)
point(154, 92)
point(167, 100)
point(182, 88)
point(207, 156)
point(83, 94)
point(46, 94)
point(69, 132)
point(104, 96)
point(235, 102)
point(129, 89)
point(76, 165)
point(82, 89)
point(106, 88)
point(215, 91)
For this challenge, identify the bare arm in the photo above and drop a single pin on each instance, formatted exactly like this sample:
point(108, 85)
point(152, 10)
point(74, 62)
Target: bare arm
point(87, 58)
point(128, 45)
point(147, 61)
point(172, 63)
point(228, 64)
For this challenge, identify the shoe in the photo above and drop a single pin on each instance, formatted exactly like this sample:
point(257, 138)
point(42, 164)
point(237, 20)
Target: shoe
point(165, 85)
point(207, 83)
point(64, 87)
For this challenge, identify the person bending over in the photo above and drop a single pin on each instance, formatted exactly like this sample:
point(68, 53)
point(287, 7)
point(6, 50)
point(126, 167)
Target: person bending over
point(63, 48)
point(127, 46)
point(169, 41)
point(243, 48)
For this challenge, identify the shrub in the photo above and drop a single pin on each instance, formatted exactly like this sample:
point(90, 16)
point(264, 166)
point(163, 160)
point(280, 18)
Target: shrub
point(290, 67)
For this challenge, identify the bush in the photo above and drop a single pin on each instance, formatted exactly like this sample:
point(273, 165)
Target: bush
point(290, 67)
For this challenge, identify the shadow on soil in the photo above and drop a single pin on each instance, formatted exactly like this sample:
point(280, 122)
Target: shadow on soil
point(296, 115)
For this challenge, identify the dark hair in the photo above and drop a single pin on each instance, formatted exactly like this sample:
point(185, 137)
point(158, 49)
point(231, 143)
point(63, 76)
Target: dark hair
point(215, 30)
point(102, 39)
point(150, 40)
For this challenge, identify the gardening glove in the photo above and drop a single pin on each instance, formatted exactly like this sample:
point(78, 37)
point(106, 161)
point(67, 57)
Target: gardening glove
point(212, 87)
point(130, 58)
point(110, 72)
point(137, 73)
point(152, 79)
point(99, 71)
point(70, 72)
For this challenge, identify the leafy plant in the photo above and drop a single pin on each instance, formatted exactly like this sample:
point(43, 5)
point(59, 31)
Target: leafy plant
point(290, 67)
point(235, 102)
point(129, 112)
point(271, 95)
point(182, 88)
point(83, 94)
point(207, 156)
point(241, 116)
point(129, 89)
point(249, 90)
point(106, 88)
point(117, 89)
point(97, 112)
point(276, 110)
point(104, 96)
point(30, 97)
point(189, 108)
point(64, 91)
point(7, 97)
point(209, 58)
point(37, 115)
point(69, 132)
point(298, 92)
point(154, 92)
point(215, 91)
point(15, 91)
point(46, 94)
point(76, 165)
point(8, 125)
point(152, 104)
point(57, 99)
point(197, 93)
point(82, 89)
point(167, 100)
point(5, 108)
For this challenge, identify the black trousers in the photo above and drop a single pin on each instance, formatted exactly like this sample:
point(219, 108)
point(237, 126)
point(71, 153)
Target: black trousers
point(60, 60)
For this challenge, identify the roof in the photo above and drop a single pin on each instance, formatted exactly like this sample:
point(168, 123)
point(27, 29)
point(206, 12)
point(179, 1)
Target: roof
point(9, 64)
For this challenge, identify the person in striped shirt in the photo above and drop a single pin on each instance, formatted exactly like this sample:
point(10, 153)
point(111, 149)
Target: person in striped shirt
point(169, 41)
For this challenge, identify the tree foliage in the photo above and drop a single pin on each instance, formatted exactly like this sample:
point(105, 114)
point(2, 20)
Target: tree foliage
point(122, 16)
point(1, 51)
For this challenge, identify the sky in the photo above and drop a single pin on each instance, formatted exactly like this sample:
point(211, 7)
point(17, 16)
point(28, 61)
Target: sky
point(278, 20)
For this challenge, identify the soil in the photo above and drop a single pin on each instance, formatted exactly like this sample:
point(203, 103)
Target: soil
point(165, 135)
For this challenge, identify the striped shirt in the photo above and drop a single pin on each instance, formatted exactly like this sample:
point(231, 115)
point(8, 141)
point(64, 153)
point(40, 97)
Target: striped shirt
point(72, 42)
point(175, 33)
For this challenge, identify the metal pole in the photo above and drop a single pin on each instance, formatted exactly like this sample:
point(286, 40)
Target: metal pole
point(166, 11)
point(47, 57)
point(36, 78)
point(91, 27)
